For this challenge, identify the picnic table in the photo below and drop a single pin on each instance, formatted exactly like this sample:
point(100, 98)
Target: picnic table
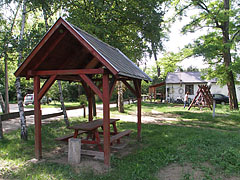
point(93, 137)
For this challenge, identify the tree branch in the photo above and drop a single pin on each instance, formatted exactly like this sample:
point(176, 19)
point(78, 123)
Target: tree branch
point(235, 35)
point(204, 7)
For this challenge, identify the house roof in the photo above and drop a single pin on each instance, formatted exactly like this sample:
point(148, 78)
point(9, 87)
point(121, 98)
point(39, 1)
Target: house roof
point(66, 47)
point(186, 77)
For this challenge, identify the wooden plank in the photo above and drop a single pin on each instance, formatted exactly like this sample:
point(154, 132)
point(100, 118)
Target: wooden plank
point(119, 135)
point(97, 154)
point(46, 116)
point(48, 83)
point(1, 129)
point(89, 82)
point(75, 107)
point(137, 84)
point(37, 119)
point(92, 63)
point(66, 137)
point(106, 120)
point(13, 115)
point(66, 72)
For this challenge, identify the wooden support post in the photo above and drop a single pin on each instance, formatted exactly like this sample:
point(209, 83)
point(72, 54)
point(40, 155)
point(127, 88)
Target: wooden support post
point(1, 129)
point(37, 119)
point(139, 113)
point(137, 84)
point(90, 106)
point(106, 120)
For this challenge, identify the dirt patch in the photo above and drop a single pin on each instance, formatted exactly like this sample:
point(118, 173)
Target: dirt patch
point(189, 171)
point(88, 163)
point(177, 172)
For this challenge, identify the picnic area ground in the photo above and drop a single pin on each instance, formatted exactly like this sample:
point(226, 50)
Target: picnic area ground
point(176, 144)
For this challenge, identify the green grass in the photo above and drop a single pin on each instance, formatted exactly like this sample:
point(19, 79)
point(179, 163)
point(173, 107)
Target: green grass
point(214, 141)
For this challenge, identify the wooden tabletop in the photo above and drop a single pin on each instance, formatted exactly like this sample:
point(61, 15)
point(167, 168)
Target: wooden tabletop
point(91, 125)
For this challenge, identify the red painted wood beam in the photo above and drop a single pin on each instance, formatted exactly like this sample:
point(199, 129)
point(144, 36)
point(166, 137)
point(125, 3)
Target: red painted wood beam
point(46, 86)
point(137, 84)
point(106, 120)
point(129, 87)
point(37, 119)
point(89, 82)
point(90, 105)
point(49, 50)
point(66, 72)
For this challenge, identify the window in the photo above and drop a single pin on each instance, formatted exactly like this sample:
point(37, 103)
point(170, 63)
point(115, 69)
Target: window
point(189, 88)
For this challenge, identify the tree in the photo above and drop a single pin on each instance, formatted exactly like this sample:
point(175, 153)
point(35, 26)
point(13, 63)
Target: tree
point(24, 133)
point(221, 20)
point(7, 37)
point(168, 62)
point(127, 25)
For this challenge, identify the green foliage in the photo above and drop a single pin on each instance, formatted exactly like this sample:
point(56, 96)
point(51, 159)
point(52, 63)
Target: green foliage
point(212, 17)
point(168, 62)
point(126, 25)
point(83, 100)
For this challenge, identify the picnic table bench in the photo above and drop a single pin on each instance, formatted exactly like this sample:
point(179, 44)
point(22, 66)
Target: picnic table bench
point(93, 137)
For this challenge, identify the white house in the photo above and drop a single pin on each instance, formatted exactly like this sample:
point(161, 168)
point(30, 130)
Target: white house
point(178, 83)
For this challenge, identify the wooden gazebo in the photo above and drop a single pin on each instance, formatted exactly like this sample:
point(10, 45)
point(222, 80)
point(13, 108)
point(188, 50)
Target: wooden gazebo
point(70, 54)
point(153, 89)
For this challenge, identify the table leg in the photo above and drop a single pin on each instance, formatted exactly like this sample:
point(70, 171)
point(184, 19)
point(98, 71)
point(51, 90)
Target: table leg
point(115, 131)
point(97, 139)
point(75, 133)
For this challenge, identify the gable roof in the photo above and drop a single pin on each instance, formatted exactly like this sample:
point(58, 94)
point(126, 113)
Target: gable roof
point(186, 77)
point(66, 46)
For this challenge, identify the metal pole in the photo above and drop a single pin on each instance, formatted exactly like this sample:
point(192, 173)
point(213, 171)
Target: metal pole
point(214, 105)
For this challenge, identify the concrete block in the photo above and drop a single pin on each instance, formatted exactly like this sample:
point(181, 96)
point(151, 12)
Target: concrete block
point(74, 150)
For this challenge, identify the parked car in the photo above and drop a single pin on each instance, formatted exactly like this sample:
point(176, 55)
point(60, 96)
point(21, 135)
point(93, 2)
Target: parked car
point(220, 98)
point(29, 99)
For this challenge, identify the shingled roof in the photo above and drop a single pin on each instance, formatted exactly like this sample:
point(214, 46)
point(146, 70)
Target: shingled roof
point(68, 53)
point(186, 77)
point(121, 63)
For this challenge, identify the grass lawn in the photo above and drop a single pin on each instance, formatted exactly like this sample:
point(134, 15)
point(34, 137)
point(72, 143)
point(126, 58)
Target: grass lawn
point(209, 147)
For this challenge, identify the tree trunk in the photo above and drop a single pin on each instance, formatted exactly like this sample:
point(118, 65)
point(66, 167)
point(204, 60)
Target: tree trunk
point(2, 104)
point(1, 130)
point(6, 85)
point(62, 104)
point(155, 58)
point(158, 68)
point(120, 97)
point(18, 87)
point(227, 61)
